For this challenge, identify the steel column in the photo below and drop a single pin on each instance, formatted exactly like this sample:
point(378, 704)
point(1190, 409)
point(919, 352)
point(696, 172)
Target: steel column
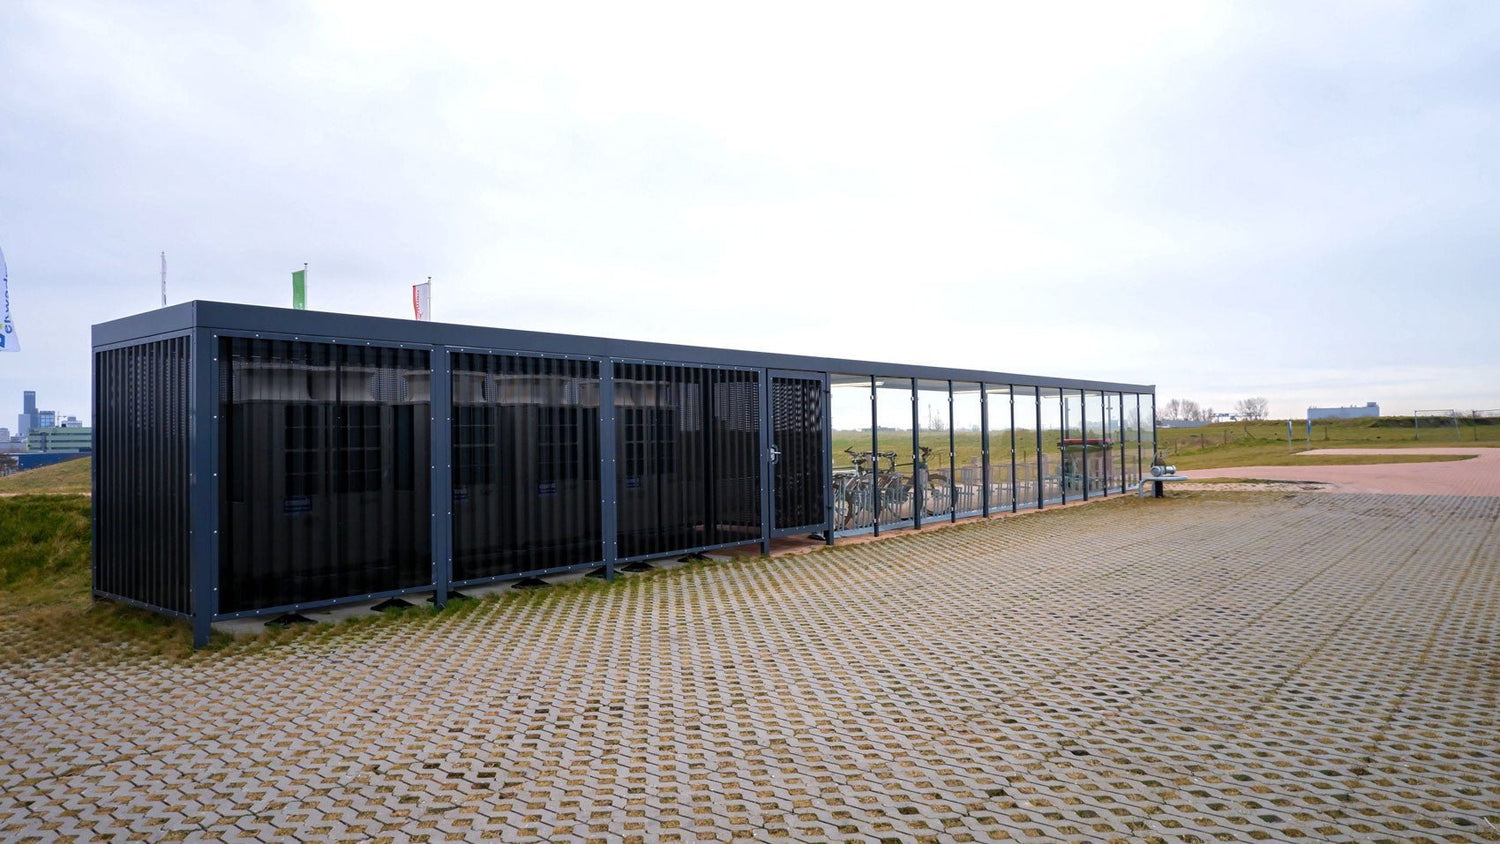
point(440, 485)
point(203, 516)
point(984, 449)
point(609, 521)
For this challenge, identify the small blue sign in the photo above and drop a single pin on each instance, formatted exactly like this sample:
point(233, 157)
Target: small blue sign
point(297, 505)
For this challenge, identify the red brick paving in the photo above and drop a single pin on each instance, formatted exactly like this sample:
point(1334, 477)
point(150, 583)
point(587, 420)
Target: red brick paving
point(1479, 475)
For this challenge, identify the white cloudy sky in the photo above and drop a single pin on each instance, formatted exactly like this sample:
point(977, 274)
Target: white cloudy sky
point(1283, 199)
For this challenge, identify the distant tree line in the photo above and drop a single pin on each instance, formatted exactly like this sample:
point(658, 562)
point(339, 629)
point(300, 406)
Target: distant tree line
point(1250, 410)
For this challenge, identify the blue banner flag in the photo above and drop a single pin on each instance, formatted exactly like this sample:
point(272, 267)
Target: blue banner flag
point(9, 342)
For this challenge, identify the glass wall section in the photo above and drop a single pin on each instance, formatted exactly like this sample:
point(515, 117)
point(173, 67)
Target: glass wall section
point(325, 452)
point(1028, 487)
point(1003, 475)
point(687, 458)
point(932, 470)
point(1135, 456)
point(1114, 411)
point(525, 464)
point(1098, 444)
point(851, 403)
point(894, 458)
point(1049, 443)
point(968, 448)
point(1068, 457)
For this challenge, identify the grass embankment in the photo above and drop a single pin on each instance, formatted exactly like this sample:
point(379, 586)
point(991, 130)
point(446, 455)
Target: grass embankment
point(1227, 444)
point(46, 606)
point(72, 477)
point(1222, 444)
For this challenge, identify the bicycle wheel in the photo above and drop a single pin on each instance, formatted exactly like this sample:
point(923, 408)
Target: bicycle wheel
point(938, 498)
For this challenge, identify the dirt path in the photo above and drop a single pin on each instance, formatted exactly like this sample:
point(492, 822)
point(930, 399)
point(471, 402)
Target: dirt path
point(1479, 476)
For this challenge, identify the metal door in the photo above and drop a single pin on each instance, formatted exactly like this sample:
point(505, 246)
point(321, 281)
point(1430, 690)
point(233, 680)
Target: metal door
point(798, 452)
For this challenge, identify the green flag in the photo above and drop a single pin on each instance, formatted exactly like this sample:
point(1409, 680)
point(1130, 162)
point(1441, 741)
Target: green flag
point(299, 289)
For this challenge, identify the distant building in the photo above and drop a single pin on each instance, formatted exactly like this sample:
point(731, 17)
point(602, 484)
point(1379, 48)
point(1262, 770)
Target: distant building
point(1351, 412)
point(61, 441)
point(27, 420)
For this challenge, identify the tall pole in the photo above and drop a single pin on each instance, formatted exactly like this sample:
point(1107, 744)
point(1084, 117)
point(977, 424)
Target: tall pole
point(163, 279)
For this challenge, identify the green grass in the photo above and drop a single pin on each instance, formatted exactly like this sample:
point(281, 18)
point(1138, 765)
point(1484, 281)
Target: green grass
point(1222, 444)
point(70, 477)
point(46, 607)
point(1228, 444)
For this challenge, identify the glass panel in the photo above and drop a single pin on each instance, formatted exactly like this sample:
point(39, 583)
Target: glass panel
point(1097, 444)
point(1069, 455)
point(1114, 407)
point(1149, 443)
point(1002, 482)
point(932, 471)
point(1048, 439)
point(894, 457)
point(850, 403)
point(968, 448)
point(1028, 489)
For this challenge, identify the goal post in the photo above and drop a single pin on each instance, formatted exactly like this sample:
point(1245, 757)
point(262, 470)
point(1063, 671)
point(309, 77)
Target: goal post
point(1436, 421)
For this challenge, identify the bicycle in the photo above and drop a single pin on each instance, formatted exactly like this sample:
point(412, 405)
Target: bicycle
point(855, 493)
point(937, 490)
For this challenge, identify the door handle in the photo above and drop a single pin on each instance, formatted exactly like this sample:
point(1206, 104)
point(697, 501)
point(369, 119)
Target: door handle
point(775, 454)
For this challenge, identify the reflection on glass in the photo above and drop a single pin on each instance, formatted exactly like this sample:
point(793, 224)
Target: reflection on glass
point(968, 449)
point(894, 455)
point(1028, 489)
point(1049, 438)
point(1097, 444)
point(932, 471)
point(1000, 445)
point(850, 408)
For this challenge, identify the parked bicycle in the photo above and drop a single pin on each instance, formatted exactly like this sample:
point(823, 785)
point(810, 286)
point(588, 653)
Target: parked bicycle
point(937, 489)
point(857, 494)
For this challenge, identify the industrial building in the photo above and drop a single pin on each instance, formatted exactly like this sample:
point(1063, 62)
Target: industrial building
point(1350, 412)
point(256, 461)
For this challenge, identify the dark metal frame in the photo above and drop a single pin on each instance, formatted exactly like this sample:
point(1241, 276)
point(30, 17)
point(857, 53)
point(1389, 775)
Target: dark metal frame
point(207, 322)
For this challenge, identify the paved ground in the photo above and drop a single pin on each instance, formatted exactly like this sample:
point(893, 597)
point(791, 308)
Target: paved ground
point(1196, 668)
point(1477, 476)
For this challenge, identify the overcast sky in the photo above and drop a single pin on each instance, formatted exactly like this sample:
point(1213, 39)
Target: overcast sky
point(1282, 199)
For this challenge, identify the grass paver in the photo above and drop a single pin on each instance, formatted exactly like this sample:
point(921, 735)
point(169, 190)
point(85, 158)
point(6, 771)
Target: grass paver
point(1209, 666)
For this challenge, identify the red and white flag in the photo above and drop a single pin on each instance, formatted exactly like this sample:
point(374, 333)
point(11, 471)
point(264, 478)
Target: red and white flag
point(421, 300)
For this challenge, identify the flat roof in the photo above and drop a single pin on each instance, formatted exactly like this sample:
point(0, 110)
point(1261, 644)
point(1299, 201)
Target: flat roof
point(324, 327)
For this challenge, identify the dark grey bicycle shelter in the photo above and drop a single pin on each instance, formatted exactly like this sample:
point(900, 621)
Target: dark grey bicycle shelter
point(253, 461)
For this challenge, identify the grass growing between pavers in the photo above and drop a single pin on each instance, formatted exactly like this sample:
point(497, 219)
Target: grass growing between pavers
point(47, 610)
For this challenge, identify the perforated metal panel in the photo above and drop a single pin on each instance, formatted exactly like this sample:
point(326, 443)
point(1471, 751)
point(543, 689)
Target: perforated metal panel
point(525, 464)
point(688, 473)
point(141, 475)
point(324, 460)
point(797, 410)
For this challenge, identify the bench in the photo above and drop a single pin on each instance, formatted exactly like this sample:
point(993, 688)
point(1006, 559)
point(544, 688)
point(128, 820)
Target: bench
point(1156, 482)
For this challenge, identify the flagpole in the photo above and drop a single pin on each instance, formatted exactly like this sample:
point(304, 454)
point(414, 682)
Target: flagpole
point(163, 279)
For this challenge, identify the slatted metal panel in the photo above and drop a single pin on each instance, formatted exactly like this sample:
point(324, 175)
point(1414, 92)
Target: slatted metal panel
point(324, 461)
point(688, 457)
point(141, 475)
point(525, 464)
point(797, 410)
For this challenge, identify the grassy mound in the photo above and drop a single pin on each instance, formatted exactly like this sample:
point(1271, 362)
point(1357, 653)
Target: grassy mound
point(68, 477)
point(46, 603)
point(44, 542)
